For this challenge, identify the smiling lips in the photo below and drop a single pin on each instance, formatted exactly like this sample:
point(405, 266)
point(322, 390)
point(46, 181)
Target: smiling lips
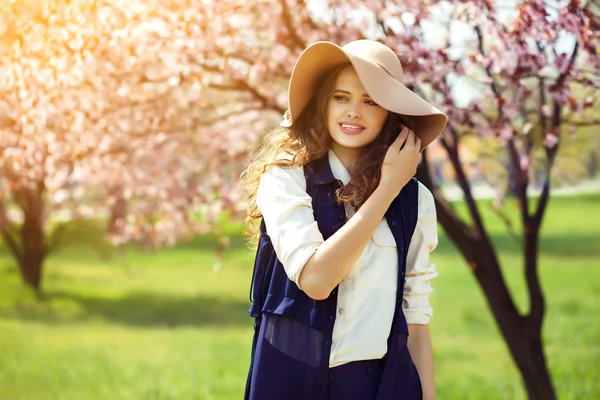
point(351, 129)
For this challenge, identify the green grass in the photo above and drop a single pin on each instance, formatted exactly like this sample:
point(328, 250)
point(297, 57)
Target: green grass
point(167, 325)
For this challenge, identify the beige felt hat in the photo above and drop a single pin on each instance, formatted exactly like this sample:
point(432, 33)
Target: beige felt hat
point(379, 71)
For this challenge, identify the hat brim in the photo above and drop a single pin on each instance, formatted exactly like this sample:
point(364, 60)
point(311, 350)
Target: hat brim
point(391, 94)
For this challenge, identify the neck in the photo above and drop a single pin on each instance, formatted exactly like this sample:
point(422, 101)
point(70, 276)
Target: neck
point(347, 156)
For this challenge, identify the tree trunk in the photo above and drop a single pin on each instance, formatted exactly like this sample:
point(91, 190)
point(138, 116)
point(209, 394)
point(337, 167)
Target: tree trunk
point(31, 260)
point(27, 241)
point(521, 333)
point(536, 377)
point(31, 270)
point(118, 211)
point(525, 346)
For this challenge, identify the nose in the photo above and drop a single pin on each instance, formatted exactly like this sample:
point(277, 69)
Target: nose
point(354, 110)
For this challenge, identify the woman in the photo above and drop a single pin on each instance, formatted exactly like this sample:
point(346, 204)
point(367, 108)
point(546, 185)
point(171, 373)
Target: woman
point(342, 274)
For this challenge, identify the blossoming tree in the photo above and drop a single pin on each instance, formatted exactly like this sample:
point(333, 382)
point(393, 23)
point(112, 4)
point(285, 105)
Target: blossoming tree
point(101, 109)
point(523, 61)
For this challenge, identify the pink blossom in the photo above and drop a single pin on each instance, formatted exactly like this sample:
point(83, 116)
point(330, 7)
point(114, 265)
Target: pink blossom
point(158, 104)
point(550, 140)
point(527, 128)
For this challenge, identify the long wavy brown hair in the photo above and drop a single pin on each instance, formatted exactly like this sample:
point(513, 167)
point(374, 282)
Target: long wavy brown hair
point(307, 140)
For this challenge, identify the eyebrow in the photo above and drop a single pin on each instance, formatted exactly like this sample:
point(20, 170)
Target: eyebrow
point(347, 92)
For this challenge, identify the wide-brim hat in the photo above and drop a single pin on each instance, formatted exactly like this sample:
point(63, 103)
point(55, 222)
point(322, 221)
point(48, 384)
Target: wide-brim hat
point(380, 72)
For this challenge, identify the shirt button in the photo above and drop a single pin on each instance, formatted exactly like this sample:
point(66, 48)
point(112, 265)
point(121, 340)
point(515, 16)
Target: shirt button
point(330, 317)
point(393, 223)
point(401, 249)
point(341, 310)
point(349, 281)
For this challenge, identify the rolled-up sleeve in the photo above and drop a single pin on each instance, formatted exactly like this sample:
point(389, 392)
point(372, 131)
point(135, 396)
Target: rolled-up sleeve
point(419, 271)
point(289, 218)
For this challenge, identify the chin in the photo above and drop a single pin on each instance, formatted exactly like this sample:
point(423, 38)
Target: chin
point(354, 145)
point(357, 141)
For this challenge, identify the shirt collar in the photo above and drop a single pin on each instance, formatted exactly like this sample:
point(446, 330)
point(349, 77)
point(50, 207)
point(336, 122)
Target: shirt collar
point(337, 168)
point(322, 170)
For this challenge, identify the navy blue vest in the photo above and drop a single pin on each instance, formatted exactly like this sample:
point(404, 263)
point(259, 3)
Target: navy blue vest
point(292, 339)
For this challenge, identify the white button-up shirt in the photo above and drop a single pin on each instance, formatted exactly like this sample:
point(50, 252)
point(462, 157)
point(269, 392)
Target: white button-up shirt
point(367, 295)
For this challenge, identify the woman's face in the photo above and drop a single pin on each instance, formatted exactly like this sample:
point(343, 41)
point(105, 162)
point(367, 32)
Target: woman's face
point(353, 119)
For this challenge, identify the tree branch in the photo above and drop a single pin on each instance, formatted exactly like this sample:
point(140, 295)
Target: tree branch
point(593, 122)
point(551, 152)
point(7, 228)
point(310, 21)
point(230, 114)
point(13, 245)
point(455, 227)
point(493, 85)
point(286, 16)
point(522, 181)
point(544, 196)
point(532, 224)
point(241, 85)
point(563, 76)
point(463, 182)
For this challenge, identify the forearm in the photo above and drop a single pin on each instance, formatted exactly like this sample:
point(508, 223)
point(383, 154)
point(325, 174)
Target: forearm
point(335, 257)
point(419, 346)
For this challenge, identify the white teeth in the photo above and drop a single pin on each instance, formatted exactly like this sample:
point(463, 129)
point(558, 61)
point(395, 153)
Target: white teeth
point(355, 128)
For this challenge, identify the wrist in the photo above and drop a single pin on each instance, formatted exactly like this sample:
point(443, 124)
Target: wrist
point(386, 193)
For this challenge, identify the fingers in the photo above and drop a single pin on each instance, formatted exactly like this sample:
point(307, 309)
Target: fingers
point(407, 138)
point(410, 139)
point(413, 140)
point(401, 139)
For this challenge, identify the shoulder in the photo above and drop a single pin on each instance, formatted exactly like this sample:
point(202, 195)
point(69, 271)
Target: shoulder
point(425, 195)
point(281, 177)
point(281, 189)
point(426, 201)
